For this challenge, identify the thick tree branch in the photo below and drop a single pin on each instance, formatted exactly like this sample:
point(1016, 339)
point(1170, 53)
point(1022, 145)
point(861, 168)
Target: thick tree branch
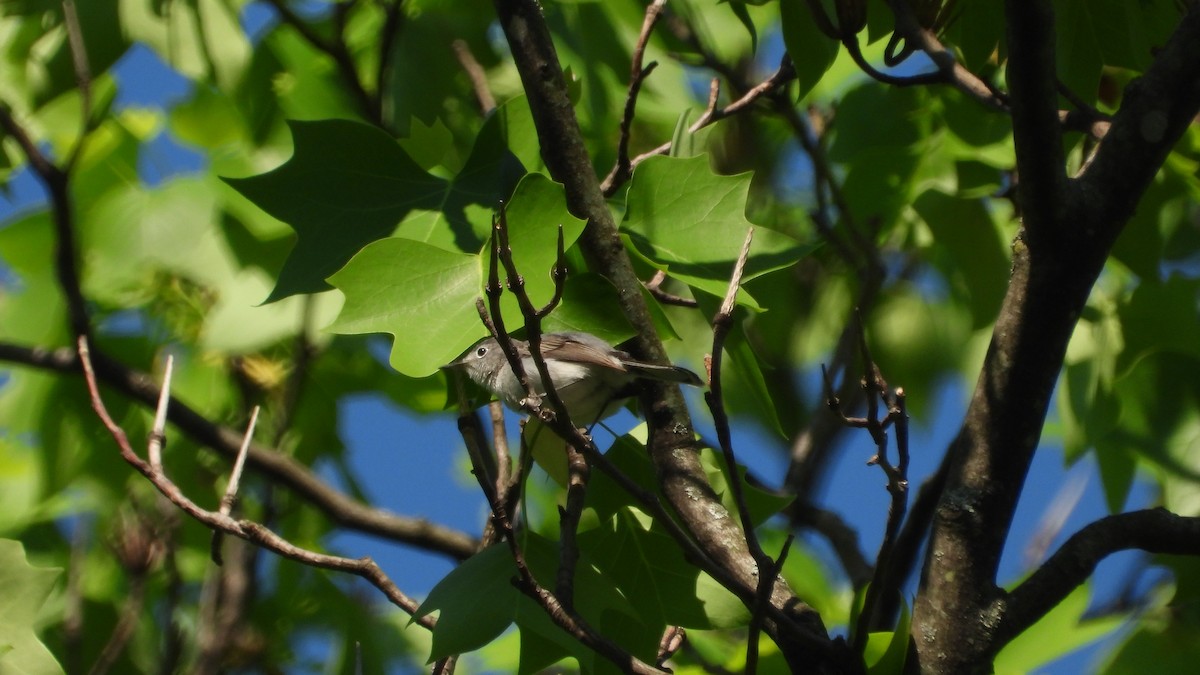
point(1153, 530)
point(1033, 89)
point(339, 507)
point(1069, 228)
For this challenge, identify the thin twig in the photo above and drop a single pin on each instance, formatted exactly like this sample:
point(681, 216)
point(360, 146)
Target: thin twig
point(656, 289)
point(83, 80)
point(474, 71)
point(637, 75)
point(560, 613)
point(243, 529)
point(235, 476)
point(876, 390)
point(722, 323)
point(158, 436)
point(949, 70)
point(712, 114)
point(231, 488)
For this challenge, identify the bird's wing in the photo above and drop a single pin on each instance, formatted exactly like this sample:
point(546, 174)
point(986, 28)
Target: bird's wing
point(569, 348)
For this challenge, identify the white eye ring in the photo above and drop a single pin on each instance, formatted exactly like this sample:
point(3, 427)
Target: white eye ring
point(481, 351)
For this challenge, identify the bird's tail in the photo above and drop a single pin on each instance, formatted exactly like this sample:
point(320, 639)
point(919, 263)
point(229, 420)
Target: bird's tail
point(664, 373)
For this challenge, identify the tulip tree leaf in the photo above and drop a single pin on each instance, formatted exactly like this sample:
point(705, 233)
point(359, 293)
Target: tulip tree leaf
point(689, 221)
point(347, 184)
point(425, 295)
point(23, 591)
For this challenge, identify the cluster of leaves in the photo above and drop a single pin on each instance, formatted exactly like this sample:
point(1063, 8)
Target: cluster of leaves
point(348, 188)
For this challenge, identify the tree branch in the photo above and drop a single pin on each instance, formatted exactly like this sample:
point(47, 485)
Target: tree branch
point(1152, 530)
point(1033, 90)
point(243, 529)
point(280, 468)
point(1069, 228)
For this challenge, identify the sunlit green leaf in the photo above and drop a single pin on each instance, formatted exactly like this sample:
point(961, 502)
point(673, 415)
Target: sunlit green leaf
point(23, 590)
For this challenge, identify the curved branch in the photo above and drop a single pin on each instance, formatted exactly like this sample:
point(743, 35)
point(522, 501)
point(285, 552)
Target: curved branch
point(953, 72)
point(339, 507)
point(220, 522)
point(1152, 530)
point(55, 180)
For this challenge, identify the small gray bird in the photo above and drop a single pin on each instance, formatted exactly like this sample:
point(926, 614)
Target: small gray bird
point(591, 376)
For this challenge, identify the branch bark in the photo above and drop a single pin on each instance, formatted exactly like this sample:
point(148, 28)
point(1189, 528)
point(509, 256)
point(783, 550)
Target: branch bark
point(1069, 226)
point(1153, 530)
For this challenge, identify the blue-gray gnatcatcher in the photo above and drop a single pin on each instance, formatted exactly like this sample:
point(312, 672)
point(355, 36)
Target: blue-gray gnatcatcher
point(591, 376)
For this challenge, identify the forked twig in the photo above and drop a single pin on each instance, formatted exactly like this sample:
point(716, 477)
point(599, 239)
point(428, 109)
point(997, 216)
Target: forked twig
point(876, 389)
point(244, 529)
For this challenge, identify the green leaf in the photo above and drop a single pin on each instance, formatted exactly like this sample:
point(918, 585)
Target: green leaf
point(886, 652)
point(977, 30)
point(504, 151)
point(809, 579)
point(812, 52)
point(590, 304)
point(464, 623)
point(1181, 489)
point(650, 570)
point(1161, 317)
point(37, 58)
point(1164, 210)
point(687, 220)
point(1060, 632)
point(628, 454)
point(347, 184)
point(36, 314)
point(876, 120)
point(761, 503)
point(537, 209)
point(1078, 49)
point(23, 592)
point(978, 259)
point(743, 16)
point(21, 471)
point(746, 392)
point(424, 296)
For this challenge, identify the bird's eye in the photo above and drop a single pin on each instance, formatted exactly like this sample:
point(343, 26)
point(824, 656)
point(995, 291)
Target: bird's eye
point(480, 352)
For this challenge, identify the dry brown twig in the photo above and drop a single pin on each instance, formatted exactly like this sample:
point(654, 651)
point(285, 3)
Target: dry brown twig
point(475, 72)
point(876, 390)
point(768, 568)
point(220, 522)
